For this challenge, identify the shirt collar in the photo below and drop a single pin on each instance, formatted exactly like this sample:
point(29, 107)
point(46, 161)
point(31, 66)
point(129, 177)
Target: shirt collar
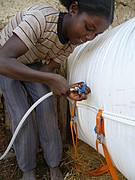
point(61, 36)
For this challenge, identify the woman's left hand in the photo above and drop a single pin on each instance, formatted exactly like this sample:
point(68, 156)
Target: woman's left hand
point(75, 95)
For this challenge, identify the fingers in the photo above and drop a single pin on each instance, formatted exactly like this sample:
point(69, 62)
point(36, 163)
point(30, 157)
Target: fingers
point(87, 90)
point(78, 91)
point(77, 96)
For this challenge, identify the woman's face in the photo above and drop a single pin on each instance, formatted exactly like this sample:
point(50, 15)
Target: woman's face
point(84, 27)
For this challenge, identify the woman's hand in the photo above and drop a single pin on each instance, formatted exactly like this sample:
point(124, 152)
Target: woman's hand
point(77, 96)
point(50, 67)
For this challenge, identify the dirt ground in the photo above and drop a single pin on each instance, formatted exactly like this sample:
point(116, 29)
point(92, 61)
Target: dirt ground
point(8, 167)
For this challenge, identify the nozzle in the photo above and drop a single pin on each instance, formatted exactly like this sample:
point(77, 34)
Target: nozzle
point(79, 89)
point(74, 89)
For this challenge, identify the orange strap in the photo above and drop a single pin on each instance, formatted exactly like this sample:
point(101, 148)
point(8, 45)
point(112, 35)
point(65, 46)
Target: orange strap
point(100, 131)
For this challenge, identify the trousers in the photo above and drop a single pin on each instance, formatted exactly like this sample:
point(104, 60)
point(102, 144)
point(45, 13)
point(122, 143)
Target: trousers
point(18, 96)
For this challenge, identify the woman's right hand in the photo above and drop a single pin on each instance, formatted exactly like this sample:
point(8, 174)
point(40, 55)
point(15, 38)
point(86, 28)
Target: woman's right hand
point(58, 85)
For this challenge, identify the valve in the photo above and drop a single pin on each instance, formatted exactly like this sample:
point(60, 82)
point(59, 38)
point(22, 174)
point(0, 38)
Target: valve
point(79, 89)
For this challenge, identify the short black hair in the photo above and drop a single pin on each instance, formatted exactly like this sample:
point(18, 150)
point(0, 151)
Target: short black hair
point(103, 8)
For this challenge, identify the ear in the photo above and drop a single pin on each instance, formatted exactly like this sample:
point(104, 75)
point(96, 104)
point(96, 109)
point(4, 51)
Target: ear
point(73, 8)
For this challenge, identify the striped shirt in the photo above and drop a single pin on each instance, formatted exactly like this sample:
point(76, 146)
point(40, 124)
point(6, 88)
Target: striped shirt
point(39, 27)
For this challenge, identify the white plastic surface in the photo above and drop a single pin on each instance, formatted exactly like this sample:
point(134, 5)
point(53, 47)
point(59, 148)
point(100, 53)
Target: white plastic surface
point(107, 65)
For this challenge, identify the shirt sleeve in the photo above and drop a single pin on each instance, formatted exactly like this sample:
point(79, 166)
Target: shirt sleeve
point(31, 28)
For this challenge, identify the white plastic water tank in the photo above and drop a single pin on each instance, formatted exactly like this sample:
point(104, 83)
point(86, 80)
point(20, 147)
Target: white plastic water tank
point(107, 65)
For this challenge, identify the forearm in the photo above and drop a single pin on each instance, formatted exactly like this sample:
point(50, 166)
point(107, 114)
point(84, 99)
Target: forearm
point(16, 70)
